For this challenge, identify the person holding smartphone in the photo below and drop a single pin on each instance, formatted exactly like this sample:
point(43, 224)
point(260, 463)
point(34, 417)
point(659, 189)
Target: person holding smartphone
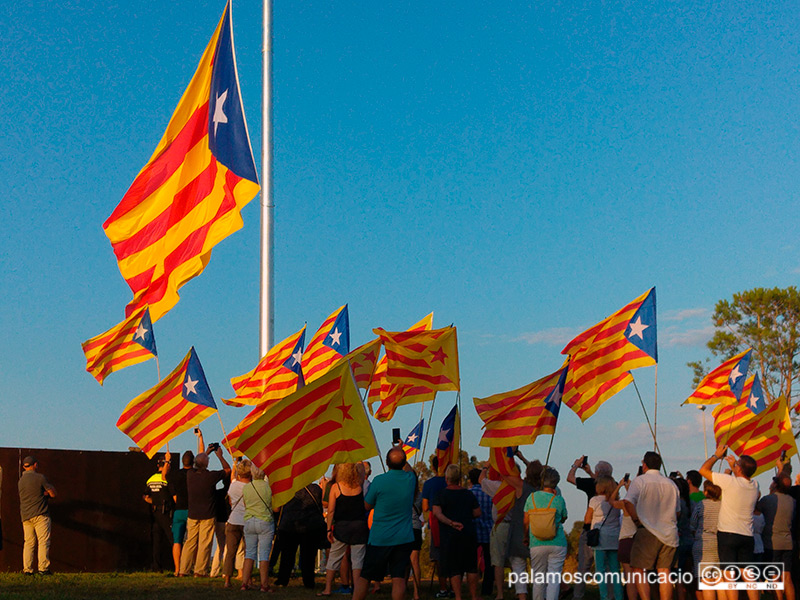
point(587, 486)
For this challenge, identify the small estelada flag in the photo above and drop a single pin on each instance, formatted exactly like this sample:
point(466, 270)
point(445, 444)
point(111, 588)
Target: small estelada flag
point(128, 343)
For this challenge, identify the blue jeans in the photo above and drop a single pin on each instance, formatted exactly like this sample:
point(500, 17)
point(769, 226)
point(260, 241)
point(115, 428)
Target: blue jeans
point(258, 536)
point(607, 561)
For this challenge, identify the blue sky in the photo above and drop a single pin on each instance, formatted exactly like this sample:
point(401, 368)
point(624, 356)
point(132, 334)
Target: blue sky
point(521, 170)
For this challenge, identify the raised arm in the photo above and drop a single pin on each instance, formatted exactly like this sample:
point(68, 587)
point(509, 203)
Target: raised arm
point(706, 469)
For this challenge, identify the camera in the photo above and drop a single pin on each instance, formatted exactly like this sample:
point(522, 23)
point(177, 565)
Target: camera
point(213, 447)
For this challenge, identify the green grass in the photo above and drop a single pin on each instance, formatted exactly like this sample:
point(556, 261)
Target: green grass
point(137, 586)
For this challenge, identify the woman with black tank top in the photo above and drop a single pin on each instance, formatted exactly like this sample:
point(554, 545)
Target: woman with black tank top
point(347, 523)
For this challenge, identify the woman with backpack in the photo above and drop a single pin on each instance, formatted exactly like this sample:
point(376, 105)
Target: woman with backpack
point(545, 513)
point(602, 521)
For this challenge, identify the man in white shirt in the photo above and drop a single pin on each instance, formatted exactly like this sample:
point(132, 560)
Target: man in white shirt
point(653, 503)
point(739, 496)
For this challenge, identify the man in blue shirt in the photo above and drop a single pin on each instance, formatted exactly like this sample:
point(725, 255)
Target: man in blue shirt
point(391, 495)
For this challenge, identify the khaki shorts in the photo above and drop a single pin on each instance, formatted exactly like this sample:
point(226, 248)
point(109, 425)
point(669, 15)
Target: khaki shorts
point(498, 544)
point(648, 552)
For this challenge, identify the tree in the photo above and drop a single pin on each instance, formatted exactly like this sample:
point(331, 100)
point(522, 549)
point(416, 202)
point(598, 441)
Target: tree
point(768, 320)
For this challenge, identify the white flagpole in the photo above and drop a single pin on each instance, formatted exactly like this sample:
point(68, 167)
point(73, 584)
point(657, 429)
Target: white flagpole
point(267, 317)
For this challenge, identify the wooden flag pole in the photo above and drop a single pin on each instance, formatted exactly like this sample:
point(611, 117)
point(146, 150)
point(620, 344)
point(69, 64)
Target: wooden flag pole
point(550, 447)
point(428, 428)
point(647, 418)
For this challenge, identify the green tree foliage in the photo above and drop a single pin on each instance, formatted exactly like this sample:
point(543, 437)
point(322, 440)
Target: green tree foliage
point(768, 320)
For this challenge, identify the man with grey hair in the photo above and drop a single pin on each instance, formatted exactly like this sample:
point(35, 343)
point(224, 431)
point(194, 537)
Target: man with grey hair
point(201, 485)
point(34, 492)
point(586, 485)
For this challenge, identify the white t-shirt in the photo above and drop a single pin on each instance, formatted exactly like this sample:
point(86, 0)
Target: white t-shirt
point(739, 497)
point(609, 533)
point(237, 503)
point(657, 502)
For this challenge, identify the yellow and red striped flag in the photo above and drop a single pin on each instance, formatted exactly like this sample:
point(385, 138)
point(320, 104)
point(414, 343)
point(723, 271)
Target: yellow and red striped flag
point(602, 357)
point(276, 376)
point(180, 401)
point(298, 437)
point(520, 416)
point(126, 344)
point(725, 383)
point(330, 343)
point(189, 195)
point(730, 417)
point(762, 436)
point(426, 359)
point(448, 445)
point(502, 462)
point(363, 361)
point(392, 395)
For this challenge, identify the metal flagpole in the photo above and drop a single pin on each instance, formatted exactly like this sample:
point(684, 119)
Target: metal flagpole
point(655, 413)
point(655, 443)
point(267, 317)
point(428, 428)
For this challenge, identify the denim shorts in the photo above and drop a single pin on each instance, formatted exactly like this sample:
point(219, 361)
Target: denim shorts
point(258, 536)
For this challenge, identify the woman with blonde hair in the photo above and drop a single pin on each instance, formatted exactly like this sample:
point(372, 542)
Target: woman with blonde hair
point(347, 523)
point(234, 528)
point(259, 527)
point(603, 517)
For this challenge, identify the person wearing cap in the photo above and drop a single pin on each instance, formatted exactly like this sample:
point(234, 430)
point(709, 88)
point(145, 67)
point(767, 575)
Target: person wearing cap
point(34, 492)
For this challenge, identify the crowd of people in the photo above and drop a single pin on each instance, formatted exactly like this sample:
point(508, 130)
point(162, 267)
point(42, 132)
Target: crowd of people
point(372, 528)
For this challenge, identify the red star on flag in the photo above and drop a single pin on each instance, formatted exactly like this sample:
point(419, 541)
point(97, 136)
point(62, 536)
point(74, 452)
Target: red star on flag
point(345, 411)
point(438, 355)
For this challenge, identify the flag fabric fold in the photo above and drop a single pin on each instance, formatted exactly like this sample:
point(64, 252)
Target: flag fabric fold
point(277, 374)
point(602, 357)
point(189, 195)
point(330, 343)
point(413, 442)
point(725, 383)
point(762, 436)
point(448, 443)
point(427, 359)
point(501, 462)
point(520, 416)
point(179, 402)
point(296, 438)
point(126, 344)
point(389, 396)
point(363, 361)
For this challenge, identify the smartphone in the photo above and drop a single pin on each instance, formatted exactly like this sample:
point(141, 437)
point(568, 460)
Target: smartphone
point(627, 477)
point(585, 462)
point(674, 475)
point(213, 446)
point(196, 430)
point(396, 439)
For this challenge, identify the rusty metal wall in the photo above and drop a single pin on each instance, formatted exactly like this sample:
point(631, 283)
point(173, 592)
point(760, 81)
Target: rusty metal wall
point(100, 522)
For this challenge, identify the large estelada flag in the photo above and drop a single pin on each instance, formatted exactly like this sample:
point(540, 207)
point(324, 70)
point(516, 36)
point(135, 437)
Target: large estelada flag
point(448, 444)
point(180, 401)
point(189, 195)
point(298, 437)
point(277, 374)
point(763, 435)
point(330, 343)
point(427, 359)
point(520, 416)
point(126, 344)
point(725, 383)
point(602, 357)
point(391, 395)
point(501, 461)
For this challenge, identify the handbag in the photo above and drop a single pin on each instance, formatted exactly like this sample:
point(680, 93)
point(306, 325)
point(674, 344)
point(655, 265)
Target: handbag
point(319, 534)
point(542, 521)
point(593, 535)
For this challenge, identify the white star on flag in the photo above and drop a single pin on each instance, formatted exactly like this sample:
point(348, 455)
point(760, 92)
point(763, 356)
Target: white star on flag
point(191, 385)
point(412, 438)
point(556, 397)
point(140, 332)
point(638, 328)
point(219, 115)
point(297, 356)
point(735, 374)
point(754, 400)
point(443, 436)
point(335, 335)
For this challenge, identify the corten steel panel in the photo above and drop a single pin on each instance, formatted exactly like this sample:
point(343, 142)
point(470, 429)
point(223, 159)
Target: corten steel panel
point(100, 521)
